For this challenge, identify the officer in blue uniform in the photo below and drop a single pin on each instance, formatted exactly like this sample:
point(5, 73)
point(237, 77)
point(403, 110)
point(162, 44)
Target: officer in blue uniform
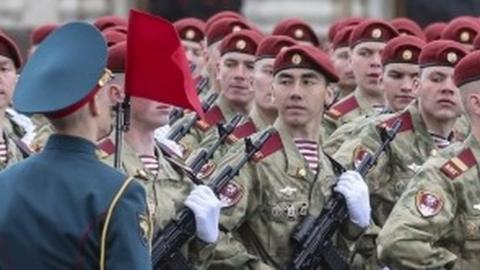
point(63, 208)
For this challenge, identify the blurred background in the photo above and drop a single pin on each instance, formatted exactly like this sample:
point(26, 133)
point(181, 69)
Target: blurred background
point(18, 17)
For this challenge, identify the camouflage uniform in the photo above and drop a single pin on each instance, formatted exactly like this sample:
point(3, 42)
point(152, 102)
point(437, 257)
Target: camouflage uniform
point(12, 135)
point(268, 199)
point(345, 111)
point(435, 224)
point(412, 146)
point(42, 131)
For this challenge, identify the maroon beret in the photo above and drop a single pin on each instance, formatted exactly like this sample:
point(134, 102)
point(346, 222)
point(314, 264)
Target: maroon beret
point(113, 37)
point(441, 53)
point(119, 28)
point(476, 43)
point(304, 56)
point(116, 57)
point(243, 41)
point(296, 29)
point(271, 46)
point(191, 29)
point(403, 49)
point(433, 31)
point(105, 22)
point(462, 29)
point(468, 69)
point(9, 49)
point(372, 30)
point(41, 32)
point(342, 37)
point(221, 15)
point(340, 24)
point(407, 26)
point(221, 28)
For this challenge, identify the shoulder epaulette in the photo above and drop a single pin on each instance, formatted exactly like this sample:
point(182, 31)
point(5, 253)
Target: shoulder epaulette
point(342, 107)
point(106, 146)
point(212, 116)
point(272, 145)
point(459, 164)
point(244, 130)
point(407, 122)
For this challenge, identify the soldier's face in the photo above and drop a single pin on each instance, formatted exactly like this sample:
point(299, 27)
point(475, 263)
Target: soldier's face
point(367, 66)
point(299, 96)
point(234, 76)
point(262, 84)
point(439, 97)
point(148, 114)
point(400, 83)
point(8, 79)
point(343, 66)
point(194, 54)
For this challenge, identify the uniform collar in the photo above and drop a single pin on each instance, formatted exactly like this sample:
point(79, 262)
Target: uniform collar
point(364, 106)
point(474, 145)
point(70, 144)
point(257, 120)
point(225, 108)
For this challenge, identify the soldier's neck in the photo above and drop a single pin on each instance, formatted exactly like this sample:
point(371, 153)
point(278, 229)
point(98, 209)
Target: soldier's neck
point(309, 131)
point(441, 127)
point(475, 128)
point(269, 116)
point(141, 141)
point(373, 99)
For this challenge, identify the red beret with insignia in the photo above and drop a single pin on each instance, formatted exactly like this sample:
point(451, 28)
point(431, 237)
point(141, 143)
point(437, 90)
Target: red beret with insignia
point(433, 31)
point(221, 15)
point(9, 49)
point(243, 41)
point(271, 46)
point(40, 33)
point(190, 29)
point(340, 24)
point(221, 28)
point(441, 53)
point(372, 31)
point(467, 69)
point(403, 49)
point(462, 29)
point(408, 27)
point(113, 37)
point(105, 22)
point(342, 37)
point(296, 29)
point(304, 56)
point(116, 57)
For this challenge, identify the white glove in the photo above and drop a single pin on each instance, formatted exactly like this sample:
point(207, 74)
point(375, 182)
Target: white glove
point(355, 190)
point(206, 207)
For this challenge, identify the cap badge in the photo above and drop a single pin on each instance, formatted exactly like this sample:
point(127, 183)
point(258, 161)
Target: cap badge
point(452, 57)
point(299, 33)
point(464, 36)
point(190, 34)
point(376, 33)
point(296, 59)
point(407, 55)
point(241, 44)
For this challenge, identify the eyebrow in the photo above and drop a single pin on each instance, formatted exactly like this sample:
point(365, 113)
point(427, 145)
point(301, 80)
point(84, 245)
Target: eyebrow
point(285, 76)
point(310, 75)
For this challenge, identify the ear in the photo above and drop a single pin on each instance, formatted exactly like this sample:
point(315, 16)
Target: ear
point(474, 103)
point(115, 93)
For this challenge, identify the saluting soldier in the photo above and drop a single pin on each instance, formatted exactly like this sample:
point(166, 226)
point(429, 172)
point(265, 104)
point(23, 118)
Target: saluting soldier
point(435, 223)
point(291, 176)
point(63, 208)
point(367, 41)
point(427, 127)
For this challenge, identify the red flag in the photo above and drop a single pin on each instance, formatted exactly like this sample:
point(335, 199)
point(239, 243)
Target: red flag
point(156, 66)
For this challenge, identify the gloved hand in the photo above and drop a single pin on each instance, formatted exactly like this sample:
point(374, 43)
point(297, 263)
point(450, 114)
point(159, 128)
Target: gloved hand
point(355, 190)
point(206, 207)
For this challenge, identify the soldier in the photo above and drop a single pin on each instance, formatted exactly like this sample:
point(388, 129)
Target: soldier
point(291, 177)
point(88, 215)
point(12, 129)
point(462, 30)
point(338, 25)
point(235, 69)
point(435, 224)
point(192, 35)
point(399, 82)
point(405, 26)
point(427, 126)
point(366, 42)
point(340, 55)
point(298, 30)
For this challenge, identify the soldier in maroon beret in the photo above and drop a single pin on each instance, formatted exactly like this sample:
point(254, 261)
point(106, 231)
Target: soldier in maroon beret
point(340, 55)
point(338, 25)
point(297, 29)
point(462, 30)
point(113, 37)
point(434, 30)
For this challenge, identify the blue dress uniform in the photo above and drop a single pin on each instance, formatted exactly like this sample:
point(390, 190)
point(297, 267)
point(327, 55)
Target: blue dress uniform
point(63, 208)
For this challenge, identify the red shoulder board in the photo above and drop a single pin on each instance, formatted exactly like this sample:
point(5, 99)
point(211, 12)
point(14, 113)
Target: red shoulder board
point(272, 145)
point(106, 146)
point(342, 107)
point(213, 116)
point(459, 164)
point(407, 123)
point(244, 130)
